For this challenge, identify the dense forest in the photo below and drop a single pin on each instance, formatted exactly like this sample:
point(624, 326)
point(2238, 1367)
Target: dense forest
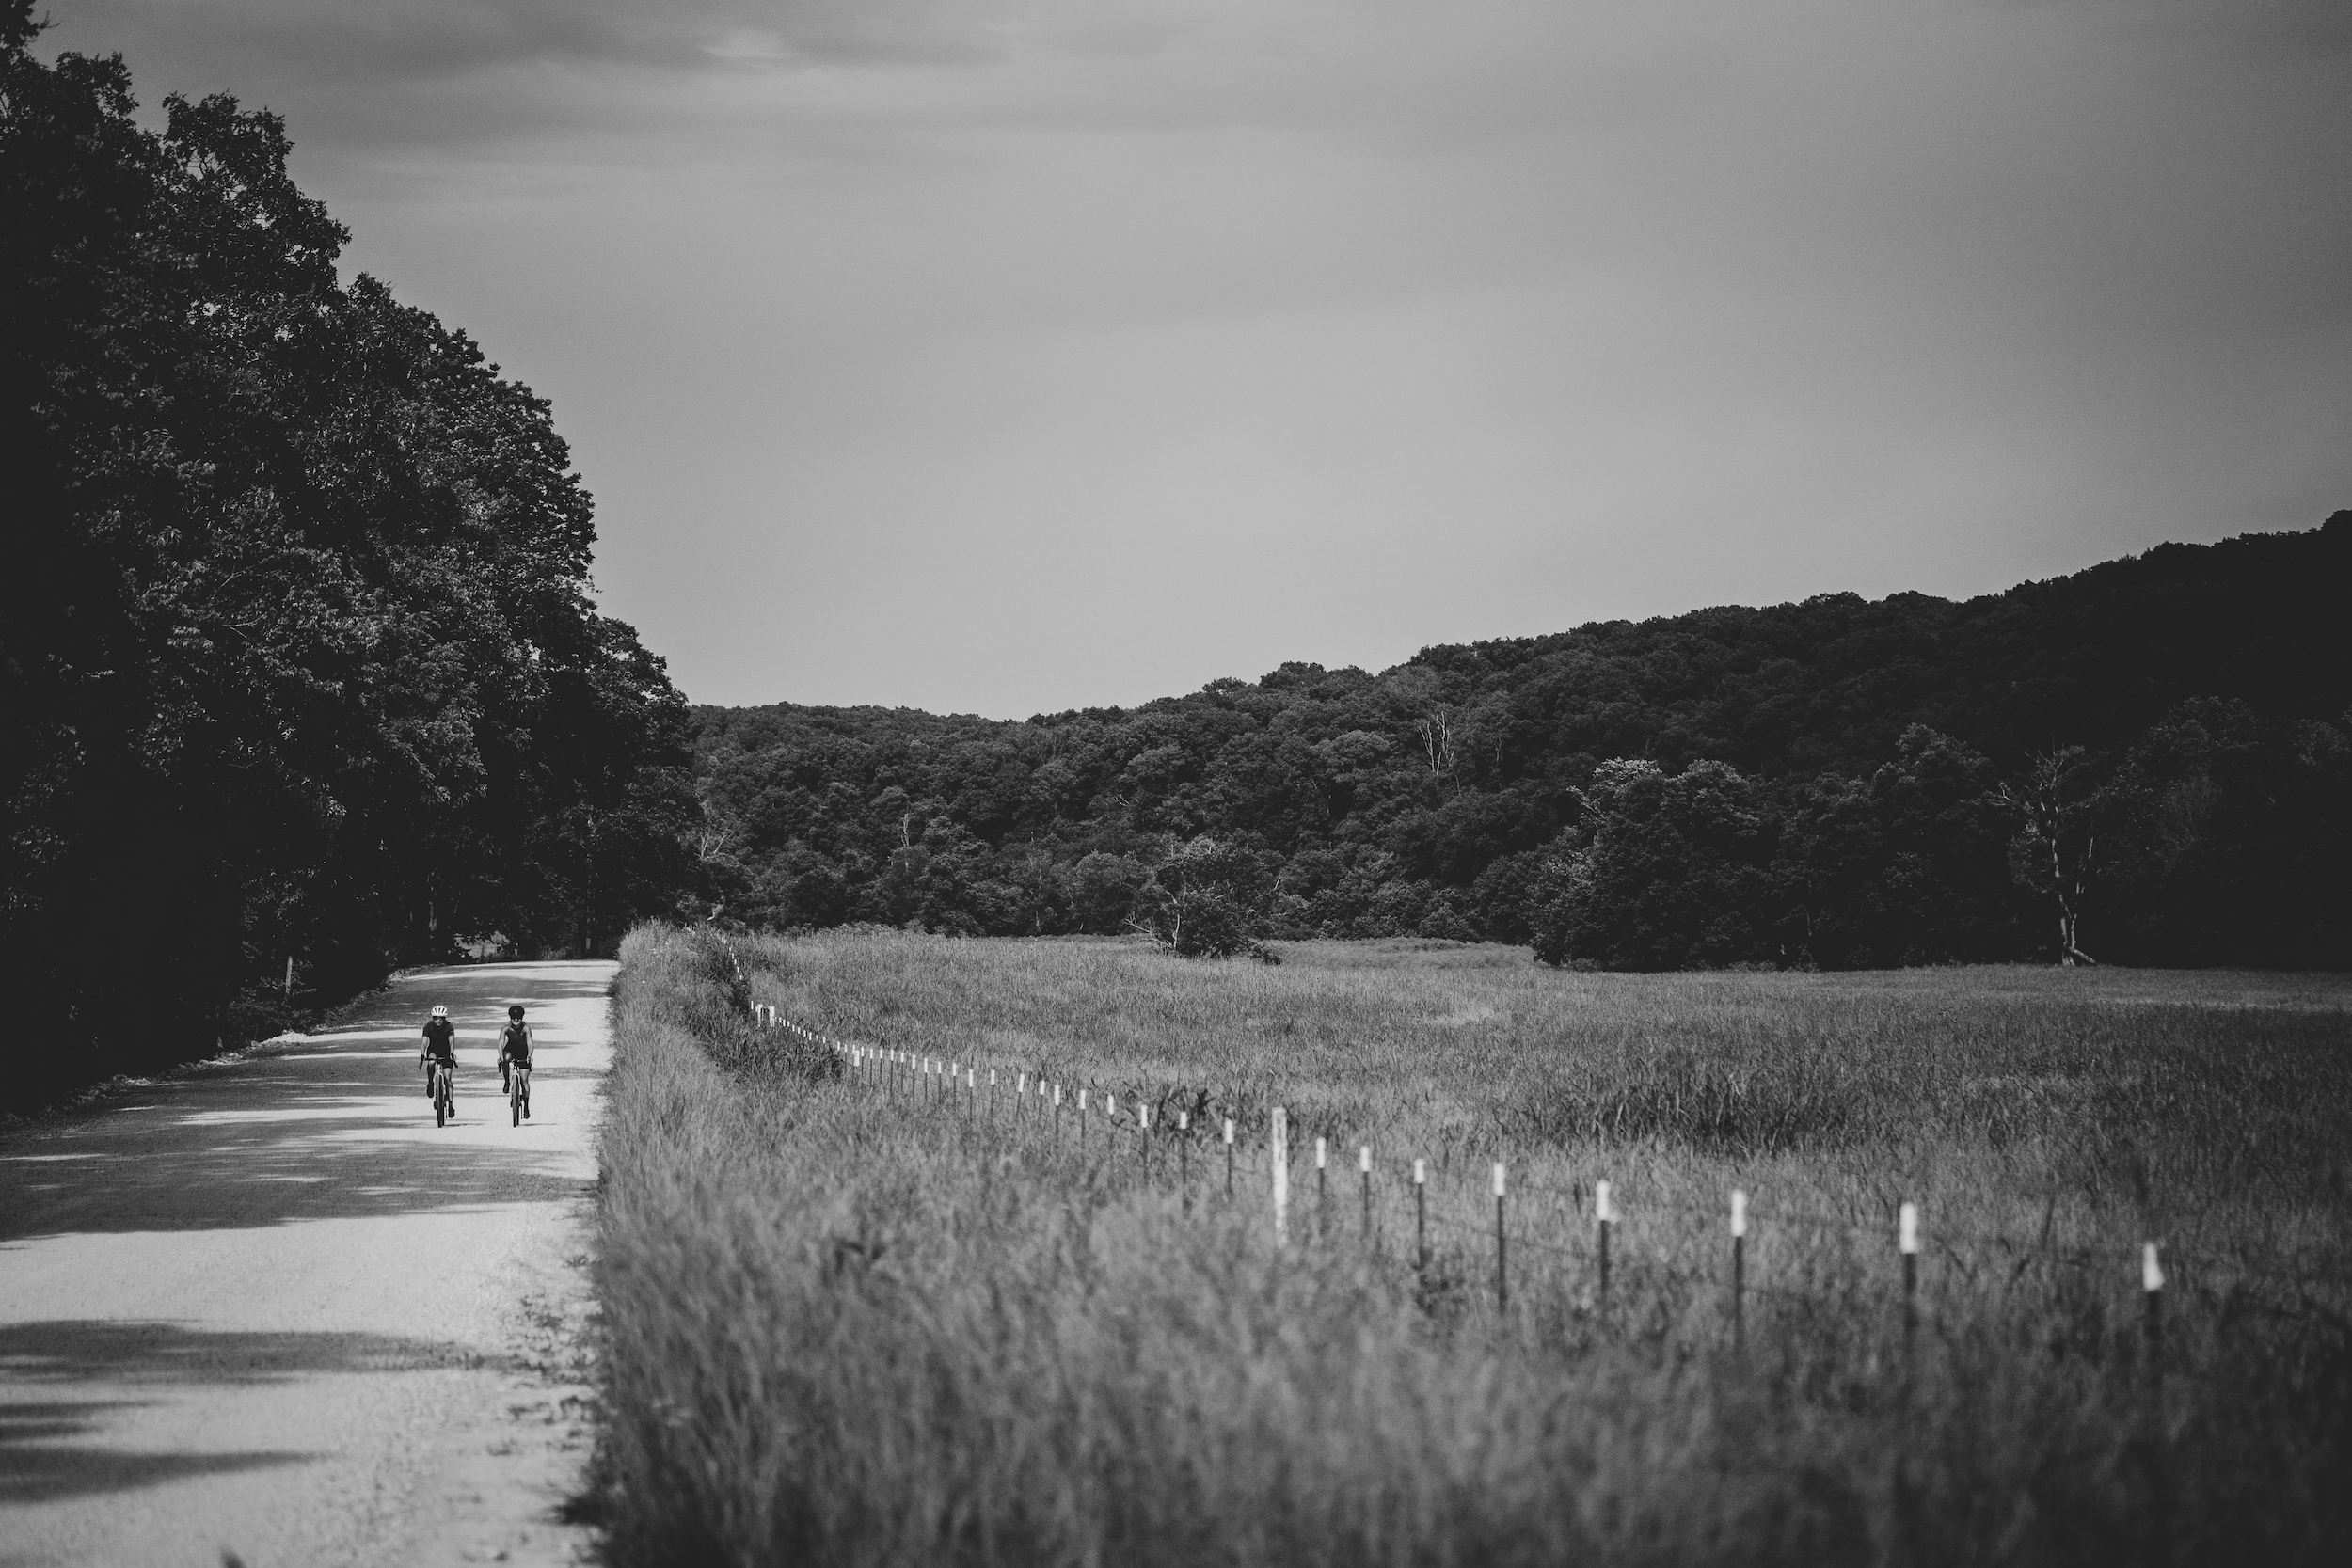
point(297, 657)
point(2148, 762)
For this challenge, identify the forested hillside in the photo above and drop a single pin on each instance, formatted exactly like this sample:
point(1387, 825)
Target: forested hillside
point(296, 649)
point(2147, 762)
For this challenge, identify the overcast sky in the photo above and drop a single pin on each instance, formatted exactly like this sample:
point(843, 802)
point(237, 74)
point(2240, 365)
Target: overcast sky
point(1010, 355)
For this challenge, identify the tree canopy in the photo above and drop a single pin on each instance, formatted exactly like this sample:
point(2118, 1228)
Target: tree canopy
point(297, 650)
point(1834, 782)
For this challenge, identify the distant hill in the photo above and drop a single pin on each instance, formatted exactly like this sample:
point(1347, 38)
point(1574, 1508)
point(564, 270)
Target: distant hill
point(1463, 793)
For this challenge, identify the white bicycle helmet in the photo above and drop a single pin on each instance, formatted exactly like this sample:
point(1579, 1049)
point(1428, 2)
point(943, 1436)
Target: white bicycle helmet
point(441, 1012)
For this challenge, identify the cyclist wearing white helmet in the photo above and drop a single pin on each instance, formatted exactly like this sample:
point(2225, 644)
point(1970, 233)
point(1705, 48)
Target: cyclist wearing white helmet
point(440, 1045)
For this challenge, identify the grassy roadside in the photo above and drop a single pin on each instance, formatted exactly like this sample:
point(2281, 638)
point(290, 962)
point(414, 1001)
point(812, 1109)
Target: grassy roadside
point(855, 1328)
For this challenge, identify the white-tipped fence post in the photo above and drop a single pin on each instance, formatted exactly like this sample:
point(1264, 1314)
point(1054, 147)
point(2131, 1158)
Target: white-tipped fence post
point(1420, 1215)
point(1907, 1238)
point(2160, 1549)
point(1322, 1227)
point(1605, 1214)
point(1738, 1268)
point(1056, 1113)
point(1363, 1169)
point(1229, 1158)
point(1503, 1275)
point(1184, 1160)
point(1281, 1160)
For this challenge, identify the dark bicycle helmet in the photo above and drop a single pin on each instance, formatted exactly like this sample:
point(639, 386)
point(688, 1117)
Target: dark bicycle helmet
point(515, 1010)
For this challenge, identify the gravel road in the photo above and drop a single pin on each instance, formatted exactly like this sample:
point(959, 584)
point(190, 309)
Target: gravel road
point(267, 1312)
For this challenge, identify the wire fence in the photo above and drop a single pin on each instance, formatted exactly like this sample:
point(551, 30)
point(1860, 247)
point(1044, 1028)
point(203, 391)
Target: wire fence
point(1579, 1228)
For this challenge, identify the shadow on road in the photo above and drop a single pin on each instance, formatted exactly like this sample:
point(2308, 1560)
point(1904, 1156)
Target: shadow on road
point(76, 1349)
point(337, 1127)
point(40, 1458)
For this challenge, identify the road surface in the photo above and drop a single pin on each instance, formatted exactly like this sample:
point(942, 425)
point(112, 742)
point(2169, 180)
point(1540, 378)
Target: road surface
point(269, 1309)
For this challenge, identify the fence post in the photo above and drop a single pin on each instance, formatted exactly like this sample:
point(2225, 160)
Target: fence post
point(1907, 1238)
point(1229, 1158)
point(1606, 1213)
point(1420, 1215)
point(1503, 1275)
point(1143, 1139)
point(1738, 1268)
point(992, 1096)
point(1056, 1113)
point(1184, 1161)
point(1281, 1160)
point(1363, 1165)
point(1111, 1120)
point(1322, 1192)
point(2160, 1496)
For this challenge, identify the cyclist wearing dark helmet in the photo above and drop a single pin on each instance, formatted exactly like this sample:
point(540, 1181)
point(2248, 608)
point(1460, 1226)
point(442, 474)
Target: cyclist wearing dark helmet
point(514, 1044)
point(440, 1045)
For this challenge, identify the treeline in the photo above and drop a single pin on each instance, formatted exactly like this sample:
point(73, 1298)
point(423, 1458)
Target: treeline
point(2148, 762)
point(297, 650)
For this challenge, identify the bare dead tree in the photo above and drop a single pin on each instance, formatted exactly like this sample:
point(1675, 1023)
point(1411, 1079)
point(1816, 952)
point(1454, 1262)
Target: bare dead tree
point(2056, 847)
point(1441, 741)
point(712, 836)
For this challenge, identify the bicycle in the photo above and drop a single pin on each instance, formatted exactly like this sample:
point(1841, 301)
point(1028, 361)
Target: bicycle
point(444, 1102)
point(518, 1091)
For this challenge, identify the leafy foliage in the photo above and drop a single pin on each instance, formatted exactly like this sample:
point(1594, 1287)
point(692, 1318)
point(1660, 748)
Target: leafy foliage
point(300, 658)
point(1836, 783)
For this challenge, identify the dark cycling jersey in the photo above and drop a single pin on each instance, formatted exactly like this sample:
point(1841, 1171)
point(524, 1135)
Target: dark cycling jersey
point(514, 1044)
point(440, 1039)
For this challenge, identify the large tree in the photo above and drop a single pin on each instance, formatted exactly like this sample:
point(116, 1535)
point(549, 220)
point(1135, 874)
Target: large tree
point(299, 657)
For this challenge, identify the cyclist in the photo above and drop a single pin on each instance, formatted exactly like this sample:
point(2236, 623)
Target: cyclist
point(515, 1045)
point(440, 1046)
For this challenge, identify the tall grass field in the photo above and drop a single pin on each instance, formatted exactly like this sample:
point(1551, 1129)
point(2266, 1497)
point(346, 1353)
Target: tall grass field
point(857, 1316)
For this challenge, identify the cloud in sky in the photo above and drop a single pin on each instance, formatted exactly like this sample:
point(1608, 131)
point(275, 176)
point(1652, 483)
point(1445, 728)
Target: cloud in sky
point(1015, 354)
